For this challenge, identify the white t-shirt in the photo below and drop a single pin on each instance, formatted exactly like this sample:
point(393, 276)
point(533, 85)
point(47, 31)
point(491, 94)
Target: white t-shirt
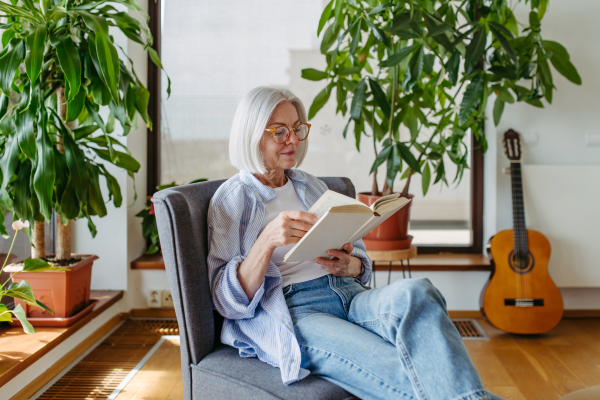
point(288, 200)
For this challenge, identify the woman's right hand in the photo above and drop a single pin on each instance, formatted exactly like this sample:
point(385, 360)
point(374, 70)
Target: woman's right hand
point(287, 228)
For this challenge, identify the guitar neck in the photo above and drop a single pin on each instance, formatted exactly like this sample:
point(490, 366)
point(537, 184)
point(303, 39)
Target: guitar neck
point(519, 230)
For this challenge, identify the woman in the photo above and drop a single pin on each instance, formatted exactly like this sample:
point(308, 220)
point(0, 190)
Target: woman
point(395, 342)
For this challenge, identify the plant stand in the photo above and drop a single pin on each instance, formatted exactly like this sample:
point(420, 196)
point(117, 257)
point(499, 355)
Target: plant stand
point(391, 256)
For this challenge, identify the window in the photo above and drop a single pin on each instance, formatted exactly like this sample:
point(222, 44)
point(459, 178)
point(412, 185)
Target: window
point(215, 52)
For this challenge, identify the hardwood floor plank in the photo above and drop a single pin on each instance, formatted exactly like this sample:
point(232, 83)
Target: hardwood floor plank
point(524, 374)
point(507, 392)
point(490, 369)
point(177, 393)
point(158, 377)
point(550, 367)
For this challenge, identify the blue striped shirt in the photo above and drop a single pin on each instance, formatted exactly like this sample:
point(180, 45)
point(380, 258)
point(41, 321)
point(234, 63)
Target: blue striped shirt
point(262, 327)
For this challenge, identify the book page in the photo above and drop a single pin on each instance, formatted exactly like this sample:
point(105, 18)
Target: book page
point(330, 232)
point(384, 199)
point(331, 199)
point(374, 221)
point(391, 206)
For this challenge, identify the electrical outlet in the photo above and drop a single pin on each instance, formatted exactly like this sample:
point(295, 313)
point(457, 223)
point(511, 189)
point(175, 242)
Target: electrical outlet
point(154, 298)
point(166, 299)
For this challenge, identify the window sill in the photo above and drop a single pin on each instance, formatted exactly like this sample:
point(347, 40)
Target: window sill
point(19, 350)
point(422, 262)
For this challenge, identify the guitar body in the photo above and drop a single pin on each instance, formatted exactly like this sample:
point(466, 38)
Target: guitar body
point(521, 297)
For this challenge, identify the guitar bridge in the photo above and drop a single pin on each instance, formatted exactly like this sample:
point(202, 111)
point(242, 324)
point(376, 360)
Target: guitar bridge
point(524, 302)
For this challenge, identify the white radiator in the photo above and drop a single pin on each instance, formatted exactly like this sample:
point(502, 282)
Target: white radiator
point(563, 203)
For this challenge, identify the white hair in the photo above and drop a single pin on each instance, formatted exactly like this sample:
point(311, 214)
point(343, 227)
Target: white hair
point(249, 124)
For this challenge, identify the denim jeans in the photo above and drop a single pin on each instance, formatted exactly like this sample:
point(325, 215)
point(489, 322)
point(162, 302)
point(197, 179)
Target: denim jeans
point(394, 342)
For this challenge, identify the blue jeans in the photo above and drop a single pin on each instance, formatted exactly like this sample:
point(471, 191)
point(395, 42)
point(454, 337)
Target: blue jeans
point(394, 342)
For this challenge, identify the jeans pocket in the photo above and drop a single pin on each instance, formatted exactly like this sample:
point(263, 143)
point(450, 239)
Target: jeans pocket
point(288, 290)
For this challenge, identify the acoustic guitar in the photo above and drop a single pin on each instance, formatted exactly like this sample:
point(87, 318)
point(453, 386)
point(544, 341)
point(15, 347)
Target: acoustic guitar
point(520, 296)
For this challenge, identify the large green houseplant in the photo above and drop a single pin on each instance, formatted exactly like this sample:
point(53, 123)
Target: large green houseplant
point(400, 62)
point(59, 66)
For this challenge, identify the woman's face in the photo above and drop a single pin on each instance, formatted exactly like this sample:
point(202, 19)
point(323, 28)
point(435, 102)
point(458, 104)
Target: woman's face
point(280, 156)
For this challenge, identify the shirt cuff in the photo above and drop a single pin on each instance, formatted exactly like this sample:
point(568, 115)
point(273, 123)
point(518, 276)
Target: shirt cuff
point(366, 266)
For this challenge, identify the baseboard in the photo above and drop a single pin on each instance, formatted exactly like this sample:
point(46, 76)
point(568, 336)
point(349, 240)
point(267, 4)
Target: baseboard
point(591, 313)
point(68, 358)
point(152, 313)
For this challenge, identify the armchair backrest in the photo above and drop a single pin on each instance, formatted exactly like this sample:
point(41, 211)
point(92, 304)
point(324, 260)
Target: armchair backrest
point(181, 216)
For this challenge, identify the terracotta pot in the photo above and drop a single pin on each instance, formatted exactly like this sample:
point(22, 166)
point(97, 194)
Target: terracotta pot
point(65, 292)
point(392, 234)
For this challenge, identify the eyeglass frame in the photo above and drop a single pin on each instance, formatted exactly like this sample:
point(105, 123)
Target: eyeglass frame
point(272, 130)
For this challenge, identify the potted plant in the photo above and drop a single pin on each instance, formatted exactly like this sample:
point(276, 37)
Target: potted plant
point(395, 63)
point(22, 290)
point(58, 66)
point(149, 228)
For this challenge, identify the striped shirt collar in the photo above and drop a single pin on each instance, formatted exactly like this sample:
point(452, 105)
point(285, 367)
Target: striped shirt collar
point(267, 193)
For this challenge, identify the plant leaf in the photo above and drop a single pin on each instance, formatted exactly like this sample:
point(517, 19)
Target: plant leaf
point(68, 57)
point(45, 174)
point(319, 101)
point(69, 205)
point(38, 265)
point(108, 57)
point(470, 99)
point(314, 75)
point(35, 52)
point(475, 48)
point(408, 156)
point(22, 290)
point(393, 165)
point(77, 166)
point(505, 45)
point(5, 315)
point(498, 109)
point(425, 178)
point(380, 97)
point(378, 33)
point(381, 157)
point(397, 57)
point(124, 160)
point(560, 60)
point(325, 16)
point(9, 63)
point(452, 66)
point(22, 317)
point(358, 100)
point(96, 200)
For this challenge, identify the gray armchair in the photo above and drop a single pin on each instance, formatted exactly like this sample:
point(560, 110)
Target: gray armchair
point(210, 369)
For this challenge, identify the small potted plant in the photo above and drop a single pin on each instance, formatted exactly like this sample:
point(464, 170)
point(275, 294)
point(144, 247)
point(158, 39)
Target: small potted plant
point(21, 290)
point(149, 228)
point(395, 63)
point(59, 65)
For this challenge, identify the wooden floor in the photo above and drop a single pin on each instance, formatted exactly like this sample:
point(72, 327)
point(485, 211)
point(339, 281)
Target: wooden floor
point(543, 367)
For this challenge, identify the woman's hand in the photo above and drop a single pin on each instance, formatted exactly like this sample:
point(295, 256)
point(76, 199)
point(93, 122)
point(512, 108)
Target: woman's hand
point(343, 264)
point(287, 228)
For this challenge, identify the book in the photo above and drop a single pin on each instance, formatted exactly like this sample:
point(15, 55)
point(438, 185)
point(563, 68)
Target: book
point(341, 219)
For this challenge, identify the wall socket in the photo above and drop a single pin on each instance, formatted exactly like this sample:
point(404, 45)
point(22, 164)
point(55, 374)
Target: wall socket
point(154, 298)
point(166, 300)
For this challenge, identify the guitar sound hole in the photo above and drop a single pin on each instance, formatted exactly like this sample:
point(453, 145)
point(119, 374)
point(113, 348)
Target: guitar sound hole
point(521, 263)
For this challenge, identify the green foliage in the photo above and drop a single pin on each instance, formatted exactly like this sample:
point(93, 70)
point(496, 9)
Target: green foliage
point(51, 48)
point(22, 290)
point(149, 228)
point(431, 66)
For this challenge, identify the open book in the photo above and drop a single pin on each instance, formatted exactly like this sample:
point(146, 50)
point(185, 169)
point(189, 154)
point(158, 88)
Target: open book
point(342, 219)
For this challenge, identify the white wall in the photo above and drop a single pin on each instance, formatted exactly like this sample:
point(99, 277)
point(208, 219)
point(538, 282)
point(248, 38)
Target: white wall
point(561, 128)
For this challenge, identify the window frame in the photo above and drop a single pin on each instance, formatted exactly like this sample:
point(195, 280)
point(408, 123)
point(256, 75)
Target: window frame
point(153, 150)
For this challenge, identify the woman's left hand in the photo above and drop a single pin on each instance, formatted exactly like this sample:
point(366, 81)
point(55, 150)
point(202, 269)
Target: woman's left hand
point(343, 264)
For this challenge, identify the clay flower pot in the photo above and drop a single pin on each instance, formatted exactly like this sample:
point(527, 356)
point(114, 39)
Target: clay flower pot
point(65, 292)
point(391, 234)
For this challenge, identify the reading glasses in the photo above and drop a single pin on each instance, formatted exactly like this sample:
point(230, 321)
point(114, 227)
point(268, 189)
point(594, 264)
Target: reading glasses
point(282, 133)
